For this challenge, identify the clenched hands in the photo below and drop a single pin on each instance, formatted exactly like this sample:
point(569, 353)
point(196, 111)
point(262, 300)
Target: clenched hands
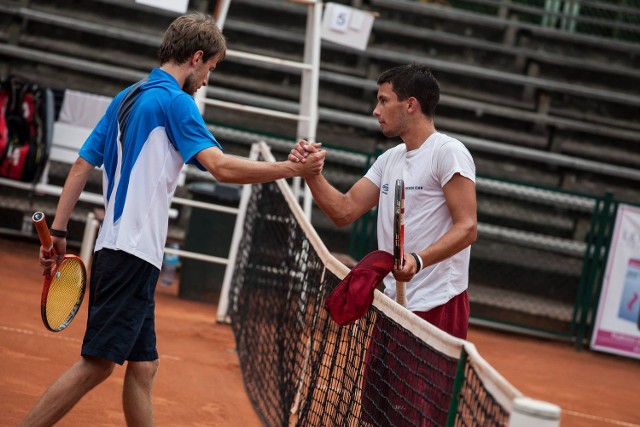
point(308, 158)
point(301, 151)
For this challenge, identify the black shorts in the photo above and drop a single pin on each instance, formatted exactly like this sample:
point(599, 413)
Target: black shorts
point(120, 325)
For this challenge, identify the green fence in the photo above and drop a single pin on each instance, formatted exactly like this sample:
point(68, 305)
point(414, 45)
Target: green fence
point(616, 19)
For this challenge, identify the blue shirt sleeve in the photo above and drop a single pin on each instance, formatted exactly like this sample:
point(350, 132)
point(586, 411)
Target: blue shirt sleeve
point(93, 148)
point(187, 129)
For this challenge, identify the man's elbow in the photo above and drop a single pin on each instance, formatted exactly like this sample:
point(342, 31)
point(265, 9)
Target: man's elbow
point(222, 177)
point(216, 164)
point(221, 174)
point(472, 233)
point(341, 221)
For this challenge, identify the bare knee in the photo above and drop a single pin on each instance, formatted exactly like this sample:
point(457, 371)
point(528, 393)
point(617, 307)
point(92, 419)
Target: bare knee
point(97, 369)
point(142, 372)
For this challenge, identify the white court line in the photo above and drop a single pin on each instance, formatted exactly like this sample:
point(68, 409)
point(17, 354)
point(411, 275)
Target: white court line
point(63, 338)
point(601, 419)
point(40, 334)
point(168, 357)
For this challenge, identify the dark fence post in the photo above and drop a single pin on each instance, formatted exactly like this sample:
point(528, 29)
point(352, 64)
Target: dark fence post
point(596, 259)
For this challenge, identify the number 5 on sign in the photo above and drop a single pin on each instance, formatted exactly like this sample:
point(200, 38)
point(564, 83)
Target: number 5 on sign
point(346, 26)
point(340, 18)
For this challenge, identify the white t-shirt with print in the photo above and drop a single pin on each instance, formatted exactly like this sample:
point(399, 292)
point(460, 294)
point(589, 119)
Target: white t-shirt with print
point(425, 171)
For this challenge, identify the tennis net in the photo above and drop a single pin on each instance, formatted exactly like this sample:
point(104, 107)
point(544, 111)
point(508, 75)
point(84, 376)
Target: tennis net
point(390, 368)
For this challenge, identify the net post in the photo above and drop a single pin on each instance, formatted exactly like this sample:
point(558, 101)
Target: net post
point(89, 238)
point(223, 302)
point(457, 387)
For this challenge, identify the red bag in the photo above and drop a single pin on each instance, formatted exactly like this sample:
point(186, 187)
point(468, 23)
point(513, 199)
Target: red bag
point(25, 129)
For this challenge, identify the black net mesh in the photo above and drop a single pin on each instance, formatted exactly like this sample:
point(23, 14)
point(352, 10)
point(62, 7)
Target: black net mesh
point(301, 368)
point(476, 406)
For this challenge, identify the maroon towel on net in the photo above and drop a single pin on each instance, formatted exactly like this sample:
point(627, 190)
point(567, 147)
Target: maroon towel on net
point(352, 297)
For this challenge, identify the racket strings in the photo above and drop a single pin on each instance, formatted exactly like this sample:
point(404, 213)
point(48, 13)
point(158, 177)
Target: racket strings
point(65, 293)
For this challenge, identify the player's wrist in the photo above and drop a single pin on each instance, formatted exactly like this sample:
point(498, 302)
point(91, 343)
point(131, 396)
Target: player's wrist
point(418, 261)
point(289, 169)
point(56, 232)
point(313, 178)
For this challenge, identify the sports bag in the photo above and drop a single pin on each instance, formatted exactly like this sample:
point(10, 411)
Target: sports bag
point(26, 125)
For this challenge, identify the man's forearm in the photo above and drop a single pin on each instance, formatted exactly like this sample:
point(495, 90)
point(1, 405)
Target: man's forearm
point(73, 187)
point(331, 201)
point(241, 171)
point(453, 241)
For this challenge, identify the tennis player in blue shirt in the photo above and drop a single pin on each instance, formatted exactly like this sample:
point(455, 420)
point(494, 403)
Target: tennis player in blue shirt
point(148, 133)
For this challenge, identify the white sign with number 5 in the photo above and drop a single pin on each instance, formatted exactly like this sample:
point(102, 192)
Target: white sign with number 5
point(340, 18)
point(346, 26)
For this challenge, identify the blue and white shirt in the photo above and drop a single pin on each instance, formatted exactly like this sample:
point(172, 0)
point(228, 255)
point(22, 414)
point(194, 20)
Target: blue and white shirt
point(148, 133)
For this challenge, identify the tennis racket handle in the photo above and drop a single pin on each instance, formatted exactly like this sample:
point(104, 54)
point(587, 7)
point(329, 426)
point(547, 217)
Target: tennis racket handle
point(401, 297)
point(40, 223)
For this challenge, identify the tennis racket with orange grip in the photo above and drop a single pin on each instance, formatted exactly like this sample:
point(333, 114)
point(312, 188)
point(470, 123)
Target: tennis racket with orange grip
point(398, 239)
point(64, 285)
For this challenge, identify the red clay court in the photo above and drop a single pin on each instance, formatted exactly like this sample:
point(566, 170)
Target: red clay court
point(200, 384)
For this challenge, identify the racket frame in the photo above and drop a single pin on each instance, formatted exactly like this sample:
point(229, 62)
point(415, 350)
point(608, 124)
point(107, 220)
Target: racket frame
point(398, 239)
point(45, 294)
point(40, 223)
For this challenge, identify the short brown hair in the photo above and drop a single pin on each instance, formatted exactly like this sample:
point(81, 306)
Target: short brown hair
point(414, 80)
point(188, 34)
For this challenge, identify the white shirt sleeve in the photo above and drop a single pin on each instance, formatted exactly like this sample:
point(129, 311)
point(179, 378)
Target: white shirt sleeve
point(453, 157)
point(375, 172)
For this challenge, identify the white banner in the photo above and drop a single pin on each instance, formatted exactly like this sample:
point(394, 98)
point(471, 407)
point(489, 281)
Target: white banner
point(179, 6)
point(346, 26)
point(617, 326)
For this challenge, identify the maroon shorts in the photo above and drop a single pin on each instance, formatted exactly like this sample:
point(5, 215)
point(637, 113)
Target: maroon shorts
point(451, 317)
point(406, 382)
